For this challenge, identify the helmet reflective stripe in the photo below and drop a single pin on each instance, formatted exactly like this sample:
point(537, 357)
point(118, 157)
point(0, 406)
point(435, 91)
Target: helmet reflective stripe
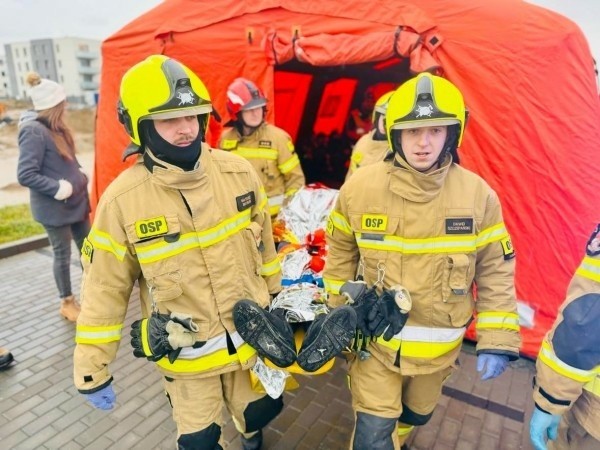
point(425, 110)
point(181, 92)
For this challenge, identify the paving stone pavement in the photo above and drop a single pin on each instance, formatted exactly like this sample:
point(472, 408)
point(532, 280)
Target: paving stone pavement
point(41, 409)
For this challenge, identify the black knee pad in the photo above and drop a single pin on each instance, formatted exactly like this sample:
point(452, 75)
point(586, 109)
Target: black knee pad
point(206, 439)
point(410, 417)
point(373, 432)
point(260, 412)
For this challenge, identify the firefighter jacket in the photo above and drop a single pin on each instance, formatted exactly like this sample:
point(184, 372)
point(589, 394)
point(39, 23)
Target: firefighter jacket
point(270, 150)
point(435, 234)
point(196, 242)
point(568, 364)
point(367, 151)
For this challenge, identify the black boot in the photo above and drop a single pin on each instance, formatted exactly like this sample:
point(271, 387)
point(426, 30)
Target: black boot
point(253, 443)
point(326, 337)
point(271, 336)
point(6, 358)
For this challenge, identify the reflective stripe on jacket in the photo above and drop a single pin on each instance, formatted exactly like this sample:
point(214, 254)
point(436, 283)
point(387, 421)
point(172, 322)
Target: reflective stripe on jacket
point(435, 234)
point(197, 242)
point(270, 150)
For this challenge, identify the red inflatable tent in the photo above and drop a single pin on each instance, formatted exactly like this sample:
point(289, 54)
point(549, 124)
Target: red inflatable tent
point(526, 73)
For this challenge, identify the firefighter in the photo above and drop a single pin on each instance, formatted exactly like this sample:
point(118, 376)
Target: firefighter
point(269, 149)
point(191, 225)
point(419, 224)
point(567, 385)
point(373, 146)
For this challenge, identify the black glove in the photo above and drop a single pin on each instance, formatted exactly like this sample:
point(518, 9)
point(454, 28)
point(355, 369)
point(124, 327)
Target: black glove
point(163, 335)
point(362, 299)
point(386, 318)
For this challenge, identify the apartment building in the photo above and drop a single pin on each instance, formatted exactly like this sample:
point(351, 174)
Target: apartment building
point(70, 61)
point(3, 78)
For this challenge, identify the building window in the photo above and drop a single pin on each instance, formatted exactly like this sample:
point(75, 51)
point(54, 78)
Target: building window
point(17, 52)
point(62, 79)
point(46, 64)
point(37, 65)
point(24, 52)
point(57, 48)
point(59, 64)
point(27, 66)
point(84, 47)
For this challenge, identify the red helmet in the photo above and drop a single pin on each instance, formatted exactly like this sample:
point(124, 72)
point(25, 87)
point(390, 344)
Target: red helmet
point(242, 95)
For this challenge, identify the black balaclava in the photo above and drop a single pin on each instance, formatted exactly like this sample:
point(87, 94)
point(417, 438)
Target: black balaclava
point(183, 157)
point(450, 145)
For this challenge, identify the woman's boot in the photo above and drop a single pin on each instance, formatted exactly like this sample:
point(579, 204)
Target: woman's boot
point(69, 308)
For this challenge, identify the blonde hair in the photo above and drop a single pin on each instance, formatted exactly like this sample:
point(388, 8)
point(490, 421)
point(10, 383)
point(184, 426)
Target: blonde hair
point(33, 79)
point(53, 119)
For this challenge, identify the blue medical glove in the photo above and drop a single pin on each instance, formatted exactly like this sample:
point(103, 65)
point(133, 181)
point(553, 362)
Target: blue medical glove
point(103, 399)
point(494, 365)
point(541, 426)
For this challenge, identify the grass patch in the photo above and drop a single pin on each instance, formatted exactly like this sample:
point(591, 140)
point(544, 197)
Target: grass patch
point(16, 223)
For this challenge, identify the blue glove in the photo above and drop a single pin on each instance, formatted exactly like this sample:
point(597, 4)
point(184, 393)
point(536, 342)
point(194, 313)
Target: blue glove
point(542, 425)
point(103, 399)
point(494, 365)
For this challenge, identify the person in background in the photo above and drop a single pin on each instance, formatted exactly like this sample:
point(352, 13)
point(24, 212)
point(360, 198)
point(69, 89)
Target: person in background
point(567, 384)
point(58, 188)
point(189, 225)
point(373, 146)
point(417, 226)
point(360, 120)
point(269, 149)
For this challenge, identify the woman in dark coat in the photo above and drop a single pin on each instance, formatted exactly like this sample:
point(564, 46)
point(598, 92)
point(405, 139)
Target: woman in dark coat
point(57, 185)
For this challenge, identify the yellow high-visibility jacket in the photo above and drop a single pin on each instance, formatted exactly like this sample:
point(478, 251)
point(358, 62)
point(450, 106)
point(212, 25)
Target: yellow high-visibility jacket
point(270, 150)
point(367, 151)
point(435, 234)
point(196, 242)
point(568, 364)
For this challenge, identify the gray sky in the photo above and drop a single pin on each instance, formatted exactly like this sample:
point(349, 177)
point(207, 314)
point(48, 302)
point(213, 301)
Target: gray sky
point(22, 20)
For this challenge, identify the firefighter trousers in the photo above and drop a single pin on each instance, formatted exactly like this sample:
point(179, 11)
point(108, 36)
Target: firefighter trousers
point(198, 405)
point(408, 400)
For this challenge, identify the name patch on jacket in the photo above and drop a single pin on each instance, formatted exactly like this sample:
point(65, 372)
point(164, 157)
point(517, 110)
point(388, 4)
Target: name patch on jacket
point(229, 144)
point(507, 248)
point(157, 226)
point(374, 222)
point(245, 201)
point(87, 250)
point(459, 225)
point(264, 144)
point(593, 244)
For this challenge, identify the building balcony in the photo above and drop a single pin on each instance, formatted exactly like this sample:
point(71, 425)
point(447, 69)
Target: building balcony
point(86, 55)
point(88, 70)
point(88, 85)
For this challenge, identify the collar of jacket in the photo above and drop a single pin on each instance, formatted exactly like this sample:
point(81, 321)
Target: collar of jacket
point(168, 175)
point(416, 186)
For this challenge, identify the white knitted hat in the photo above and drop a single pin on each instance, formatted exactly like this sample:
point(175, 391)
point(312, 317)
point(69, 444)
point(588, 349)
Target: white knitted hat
point(44, 93)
